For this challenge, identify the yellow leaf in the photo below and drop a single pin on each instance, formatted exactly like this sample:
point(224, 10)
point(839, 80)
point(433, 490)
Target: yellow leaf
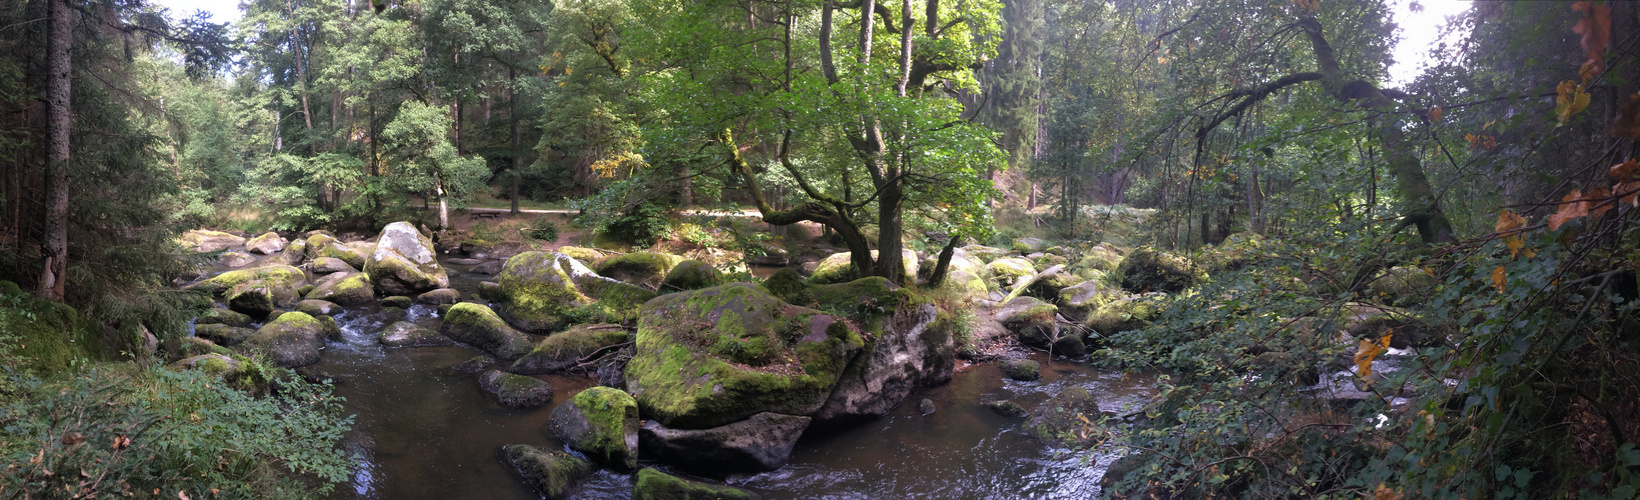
point(1599, 201)
point(1624, 171)
point(1366, 352)
point(1499, 279)
point(1434, 114)
point(1571, 207)
point(1628, 192)
point(1509, 223)
point(1570, 99)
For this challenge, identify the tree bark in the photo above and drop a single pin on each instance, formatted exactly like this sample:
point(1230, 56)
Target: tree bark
point(59, 124)
point(517, 136)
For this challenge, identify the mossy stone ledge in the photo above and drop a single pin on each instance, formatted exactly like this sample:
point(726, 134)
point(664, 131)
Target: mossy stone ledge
point(601, 422)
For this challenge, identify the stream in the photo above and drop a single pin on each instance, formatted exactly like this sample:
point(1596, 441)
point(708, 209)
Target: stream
point(422, 430)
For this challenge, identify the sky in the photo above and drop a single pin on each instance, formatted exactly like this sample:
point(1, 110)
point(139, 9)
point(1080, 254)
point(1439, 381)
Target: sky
point(222, 11)
point(1418, 29)
point(1418, 33)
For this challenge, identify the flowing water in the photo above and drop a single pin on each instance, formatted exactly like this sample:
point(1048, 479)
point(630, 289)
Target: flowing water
point(422, 430)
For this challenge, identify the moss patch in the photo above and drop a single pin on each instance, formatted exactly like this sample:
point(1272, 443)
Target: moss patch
point(601, 422)
point(47, 335)
point(536, 294)
point(552, 473)
point(1150, 270)
point(560, 351)
point(656, 485)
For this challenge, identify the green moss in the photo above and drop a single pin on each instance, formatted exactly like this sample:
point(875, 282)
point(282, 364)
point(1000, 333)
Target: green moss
point(655, 485)
point(48, 336)
point(1129, 313)
point(789, 286)
point(1010, 269)
point(643, 265)
point(612, 416)
point(285, 276)
point(478, 326)
point(587, 256)
point(1149, 270)
point(680, 387)
point(551, 473)
point(691, 275)
point(536, 293)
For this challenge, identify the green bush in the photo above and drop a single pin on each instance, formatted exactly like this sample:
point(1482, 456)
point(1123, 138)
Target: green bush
point(129, 431)
point(542, 228)
point(642, 224)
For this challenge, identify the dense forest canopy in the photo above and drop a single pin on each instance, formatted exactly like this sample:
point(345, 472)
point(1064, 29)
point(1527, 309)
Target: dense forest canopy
point(1490, 199)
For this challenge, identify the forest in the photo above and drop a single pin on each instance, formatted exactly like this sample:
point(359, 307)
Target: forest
point(819, 248)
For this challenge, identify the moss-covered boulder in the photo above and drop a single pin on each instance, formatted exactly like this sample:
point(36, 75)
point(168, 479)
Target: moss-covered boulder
point(222, 335)
point(223, 316)
point(563, 350)
point(295, 252)
point(474, 364)
point(1064, 419)
point(536, 294)
point(1049, 260)
point(1007, 270)
point(1079, 301)
point(478, 326)
point(601, 422)
point(1007, 409)
point(645, 268)
point(1021, 369)
point(328, 265)
point(1102, 257)
point(709, 357)
point(324, 245)
point(407, 334)
point(553, 474)
point(652, 484)
point(347, 289)
point(1401, 286)
point(398, 301)
point(267, 244)
point(760, 443)
point(789, 286)
point(904, 351)
point(984, 253)
point(1032, 320)
point(1127, 313)
point(614, 301)
point(1149, 270)
point(516, 391)
point(691, 275)
point(839, 269)
point(293, 339)
point(235, 259)
point(1029, 245)
point(316, 307)
point(404, 263)
point(439, 296)
point(209, 241)
point(966, 285)
point(1235, 252)
point(257, 291)
point(239, 372)
point(1046, 286)
point(588, 256)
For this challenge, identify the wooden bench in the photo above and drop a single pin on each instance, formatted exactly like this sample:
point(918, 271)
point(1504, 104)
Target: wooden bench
point(485, 215)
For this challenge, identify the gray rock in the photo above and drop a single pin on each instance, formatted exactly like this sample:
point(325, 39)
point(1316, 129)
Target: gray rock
point(210, 241)
point(328, 265)
point(652, 484)
point(1007, 409)
point(760, 443)
point(488, 268)
point(235, 259)
point(905, 357)
point(926, 406)
point(223, 316)
point(516, 391)
point(292, 340)
point(602, 423)
point(407, 334)
point(348, 289)
point(267, 244)
point(1021, 369)
point(222, 335)
point(440, 296)
point(316, 307)
point(404, 263)
point(398, 301)
point(478, 326)
point(553, 474)
point(474, 365)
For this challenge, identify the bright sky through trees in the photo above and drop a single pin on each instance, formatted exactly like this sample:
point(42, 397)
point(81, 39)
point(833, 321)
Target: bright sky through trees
point(1418, 33)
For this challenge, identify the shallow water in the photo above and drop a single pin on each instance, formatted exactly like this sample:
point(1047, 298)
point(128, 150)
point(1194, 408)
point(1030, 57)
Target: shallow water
point(424, 431)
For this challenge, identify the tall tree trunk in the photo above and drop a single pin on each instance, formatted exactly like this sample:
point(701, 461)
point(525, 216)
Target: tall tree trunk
point(443, 206)
point(301, 78)
point(517, 137)
point(58, 126)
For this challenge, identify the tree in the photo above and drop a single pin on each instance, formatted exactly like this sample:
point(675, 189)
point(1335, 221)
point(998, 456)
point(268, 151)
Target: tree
point(771, 72)
point(425, 161)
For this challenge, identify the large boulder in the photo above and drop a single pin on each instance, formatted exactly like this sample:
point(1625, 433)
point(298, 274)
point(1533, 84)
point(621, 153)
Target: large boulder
point(1127, 313)
point(209, 241)
point(266, 244)
point(1149, 270)
point(223, 316)
point(536, 294)
point(291, 340)
point(407, 334)
point(476, 325)
point(691, 275)
point(1078, 301)
point(615, 301)
point(1032, 320)
point(583, 254)
point(404, 263)
point(903, 353)
point(257, 291)
point(1029, 244)
point(984, 254)
point(328, 265)
point(439, 296)
point(563, 350)
point(316, 307)
point(235, 259)
point(516, 391)
point(1066, 419)
point(761, 443)
point(644, 268)
point(1097, 261)
point(553, 474)
point(1006, 271)
point(295, 252)
point(652, 484)
point(709, 357)
point(348, 289)
point(221, 334)
point(602, 423)
point(323, 245)
point(838, 268)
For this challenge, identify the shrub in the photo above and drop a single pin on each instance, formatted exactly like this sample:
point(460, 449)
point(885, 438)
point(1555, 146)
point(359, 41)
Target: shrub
point(542, 228)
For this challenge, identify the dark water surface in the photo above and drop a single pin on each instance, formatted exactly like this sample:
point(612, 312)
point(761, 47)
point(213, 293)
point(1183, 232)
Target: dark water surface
point(424, 431)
